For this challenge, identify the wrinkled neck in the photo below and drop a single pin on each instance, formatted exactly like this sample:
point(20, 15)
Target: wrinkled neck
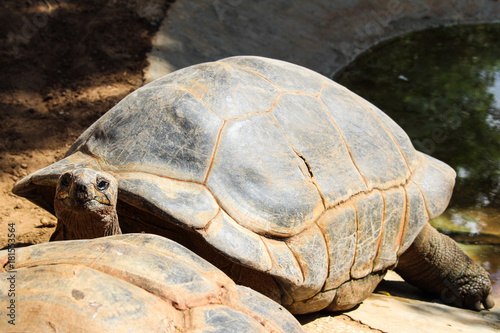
point(114, 228)
point(86, 225)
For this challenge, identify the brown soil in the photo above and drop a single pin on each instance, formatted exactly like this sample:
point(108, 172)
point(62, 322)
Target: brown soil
point(63, 64)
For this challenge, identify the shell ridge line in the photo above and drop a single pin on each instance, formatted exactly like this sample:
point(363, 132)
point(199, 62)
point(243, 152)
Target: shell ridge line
point(362, 104)
point(304, 160)
point(225, 211)
point(34, 264)
point(250, 114)
point(212, 159)
point(323, 234)
point(270, 110)
point(261, 112)
point(87, 152)
point(156, 175)
point(205, 228)
point(325, 84)
point(199, 100)
point(300, 93)
point(268, 80)
point(356, 234)
point(381, 235)
point(343, 140)
point(268, 253)
point(420, 161)
point(250, 71)
point(367, 192)
point(402, 228)
point(297, 260)
point(131, 277)
point(405, 222)
point(423, 199)
point(187, 90)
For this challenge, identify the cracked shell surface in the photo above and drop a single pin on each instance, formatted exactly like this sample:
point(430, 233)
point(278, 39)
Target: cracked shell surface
point(259, 156)
point(132, 283)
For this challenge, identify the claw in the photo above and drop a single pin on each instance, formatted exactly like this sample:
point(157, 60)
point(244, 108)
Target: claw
point(489, 302)
point(476, 306)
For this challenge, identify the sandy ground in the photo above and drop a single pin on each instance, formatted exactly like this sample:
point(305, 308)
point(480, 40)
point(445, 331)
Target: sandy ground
point(63, 64)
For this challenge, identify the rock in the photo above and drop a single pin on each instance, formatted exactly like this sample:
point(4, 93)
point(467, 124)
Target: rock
point(397, 307)
point(322, 35)
point(47, 223)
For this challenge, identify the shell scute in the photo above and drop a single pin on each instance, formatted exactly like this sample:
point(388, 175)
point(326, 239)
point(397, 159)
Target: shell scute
point(222, 319)
point(324, 150)
point(310, 251)
point(190, 204)
point(370, 210)
point(163, 131)
point(237, 243)
point(339, 227)
point(392, 228)
point(260, 181)
point(373, 150)
point(436, 193)
point(229, 91)
point(416, 215)
point(285, 266)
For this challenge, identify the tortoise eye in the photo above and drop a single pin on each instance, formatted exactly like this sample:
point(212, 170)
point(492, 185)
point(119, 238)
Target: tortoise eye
point(65, 180)
point(102, 185)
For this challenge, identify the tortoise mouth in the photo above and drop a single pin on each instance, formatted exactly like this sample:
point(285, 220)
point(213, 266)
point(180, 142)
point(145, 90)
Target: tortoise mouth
point(84, 204)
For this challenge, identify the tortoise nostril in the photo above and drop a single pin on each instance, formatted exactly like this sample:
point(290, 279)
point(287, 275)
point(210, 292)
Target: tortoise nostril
point(82, 191)
point(81, 188)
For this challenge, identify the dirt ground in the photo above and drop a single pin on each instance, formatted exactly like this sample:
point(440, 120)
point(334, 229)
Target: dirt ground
point(63, 64)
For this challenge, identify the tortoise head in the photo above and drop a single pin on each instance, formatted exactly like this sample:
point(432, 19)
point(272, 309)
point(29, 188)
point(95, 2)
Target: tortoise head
point(87, 190)
point(85, 204)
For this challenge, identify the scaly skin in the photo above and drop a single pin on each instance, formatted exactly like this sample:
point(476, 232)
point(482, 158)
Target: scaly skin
point(435, 263)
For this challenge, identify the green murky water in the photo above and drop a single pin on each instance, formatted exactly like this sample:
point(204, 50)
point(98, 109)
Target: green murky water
point(442, 86)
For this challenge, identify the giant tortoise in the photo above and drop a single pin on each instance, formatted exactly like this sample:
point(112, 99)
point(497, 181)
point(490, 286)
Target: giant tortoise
point(128, 283)
point(287, 181)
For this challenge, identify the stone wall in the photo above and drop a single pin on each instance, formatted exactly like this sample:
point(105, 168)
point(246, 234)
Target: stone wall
point(323, 35)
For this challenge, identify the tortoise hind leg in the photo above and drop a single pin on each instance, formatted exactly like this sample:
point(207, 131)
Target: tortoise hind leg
point(435, 263)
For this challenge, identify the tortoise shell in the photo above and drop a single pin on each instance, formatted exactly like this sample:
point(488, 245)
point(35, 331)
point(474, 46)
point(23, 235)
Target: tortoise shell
point(130, 283)
point(277, 167)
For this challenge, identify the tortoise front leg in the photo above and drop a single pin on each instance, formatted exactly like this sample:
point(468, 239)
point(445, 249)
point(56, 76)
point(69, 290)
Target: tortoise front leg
point(58, 234)
point(435, 263)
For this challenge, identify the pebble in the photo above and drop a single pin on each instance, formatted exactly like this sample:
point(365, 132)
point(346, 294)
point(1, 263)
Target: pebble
point(47, 223)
